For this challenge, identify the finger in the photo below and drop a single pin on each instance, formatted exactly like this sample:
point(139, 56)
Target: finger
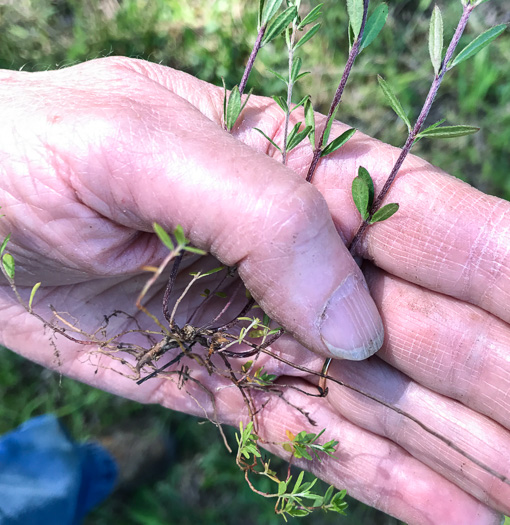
point(145, 154)
point(445, 344)
point(461, 445)
point(446, 236)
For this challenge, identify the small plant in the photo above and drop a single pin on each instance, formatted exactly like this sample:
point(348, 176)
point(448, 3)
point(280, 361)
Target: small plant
point(293, 498)
point(229, 344)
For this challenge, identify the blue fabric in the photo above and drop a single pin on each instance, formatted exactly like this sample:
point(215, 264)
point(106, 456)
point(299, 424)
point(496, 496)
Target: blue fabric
point(47, 478)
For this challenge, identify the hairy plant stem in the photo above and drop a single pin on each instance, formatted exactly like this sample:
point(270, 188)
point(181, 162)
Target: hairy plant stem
point(354, 52)
point(411, 139)
point(251, 59)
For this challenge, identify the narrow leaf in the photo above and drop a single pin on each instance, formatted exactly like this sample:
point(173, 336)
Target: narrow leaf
point(310, 120)
point(296, 68)
point(278, 76)
point(363, 174)
point(394, 103)
point(224, 100)
point(433, 126)
point(282, 487)
point(436, 39)
point(192, 249)
point(303, 100)
point(478, 44)
point(298, 138)
point(269, 10)
point(355, 11)
point(447, 132)
point(32, 293)
point(163, 236)
point(4, 244)
point(179, 236)
point(309, 34)
point(270, 140)
point(384, 213)
point(214, 270)
point(338, 142)
point(8, 263)
point(360, 196)
point(246, 100)
point(259, 14)
point(374, 25)
point(301, 75)
point(279, 24)
point(350, 33)
point(327, 131)
point(312, 16)
point(233, 108)
point(281, 102)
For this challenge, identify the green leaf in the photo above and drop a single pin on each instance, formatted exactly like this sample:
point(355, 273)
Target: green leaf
point(360, 196)
point(350, 34)
point(281, 102)
point(259, 14)
point(338, 142)
point(309, 34)
point(8, 263)
point(436, 39)
point(269, 10)
point(278, 76)
point(279, 24)
point(301, 75)
point(303, 100)
point(282, 487)
point(4, 244)
point(433, 126)
point(214, 270)
point(179, 236)
point(233, 108)
point(224, 100)
point(312, 16)
point(246, 100)
point(374, 25)
point(328, 494)
point(327, 131)
point(192, 249)
point(363, 174)
point(296, 68)
point(270, 140)
point(447, 132)
point(384, 213)
point(394, 103)
point(296, 137)
point(355, 11)
point(477, 44)
point(163, 236)
point(310, 120)
point(32, 293)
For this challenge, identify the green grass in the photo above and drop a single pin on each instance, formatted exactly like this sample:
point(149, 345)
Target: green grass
point(212, 40)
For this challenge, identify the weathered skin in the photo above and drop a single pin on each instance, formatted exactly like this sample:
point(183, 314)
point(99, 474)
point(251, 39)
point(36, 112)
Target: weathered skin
point(91, 155)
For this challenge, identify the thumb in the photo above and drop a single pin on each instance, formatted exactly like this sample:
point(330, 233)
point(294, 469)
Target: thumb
point(244, 207)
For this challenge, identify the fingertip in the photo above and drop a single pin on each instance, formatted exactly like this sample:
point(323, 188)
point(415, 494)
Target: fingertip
point(350, 325)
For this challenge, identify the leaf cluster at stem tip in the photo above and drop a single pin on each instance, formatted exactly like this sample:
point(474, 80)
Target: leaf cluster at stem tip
point(181, 242)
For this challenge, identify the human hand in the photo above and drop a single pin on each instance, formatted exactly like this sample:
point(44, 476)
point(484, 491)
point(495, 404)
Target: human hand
point(95, 153)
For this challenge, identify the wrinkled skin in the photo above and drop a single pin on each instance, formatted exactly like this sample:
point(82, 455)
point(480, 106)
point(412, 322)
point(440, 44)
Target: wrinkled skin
point(93, 154)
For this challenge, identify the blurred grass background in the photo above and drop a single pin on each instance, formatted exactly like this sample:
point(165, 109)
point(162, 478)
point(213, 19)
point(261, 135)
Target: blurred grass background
point(212, 40)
